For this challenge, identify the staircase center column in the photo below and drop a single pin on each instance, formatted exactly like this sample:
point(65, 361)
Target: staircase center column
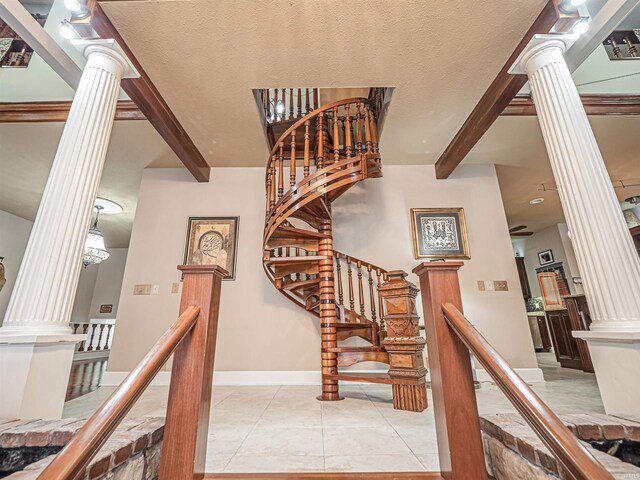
point(606, 256)
point(328, 317)
point(36, 345)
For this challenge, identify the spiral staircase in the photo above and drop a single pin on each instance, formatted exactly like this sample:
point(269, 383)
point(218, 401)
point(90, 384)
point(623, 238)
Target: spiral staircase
point(318, 155)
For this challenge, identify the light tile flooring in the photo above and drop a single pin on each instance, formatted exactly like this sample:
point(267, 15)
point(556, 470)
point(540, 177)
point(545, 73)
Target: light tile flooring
point(277, 429)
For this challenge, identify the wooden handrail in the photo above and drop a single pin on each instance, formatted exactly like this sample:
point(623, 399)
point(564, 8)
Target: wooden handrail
point(450, 338)
point(77, 454)
point(555, 435)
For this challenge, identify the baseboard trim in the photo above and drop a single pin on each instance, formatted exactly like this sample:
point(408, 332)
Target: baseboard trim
point(285, 377)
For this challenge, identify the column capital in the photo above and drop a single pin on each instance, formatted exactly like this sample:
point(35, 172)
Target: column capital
point(108, 48)
point(541, 49)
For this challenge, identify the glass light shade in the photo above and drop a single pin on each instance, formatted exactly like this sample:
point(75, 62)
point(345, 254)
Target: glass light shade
point(94, 249)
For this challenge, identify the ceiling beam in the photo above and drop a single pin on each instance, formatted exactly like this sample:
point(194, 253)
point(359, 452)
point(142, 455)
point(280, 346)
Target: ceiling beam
point(21, 22)
point(523, 106)
point(149, 100)
point(57, 111)
point(500, 93)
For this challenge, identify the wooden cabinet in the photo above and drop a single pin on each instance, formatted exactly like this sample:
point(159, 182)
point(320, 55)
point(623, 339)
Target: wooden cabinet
point(578, 310)
point(565, 346)
point(524, 281)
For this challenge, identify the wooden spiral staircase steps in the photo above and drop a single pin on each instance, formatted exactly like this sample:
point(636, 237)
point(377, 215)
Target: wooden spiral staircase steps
point(314, 161)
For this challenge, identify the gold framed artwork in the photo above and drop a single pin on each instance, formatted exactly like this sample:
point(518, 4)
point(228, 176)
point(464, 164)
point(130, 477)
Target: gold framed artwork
point(439, 233)
point(212, 241)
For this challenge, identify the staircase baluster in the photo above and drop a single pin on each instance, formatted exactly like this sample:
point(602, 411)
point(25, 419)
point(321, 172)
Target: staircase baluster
point(316, 100)
point(339, 278)
point(291, 109)
point(358, 129)
point(374, 133)
point(351, 299)
point(272, 194)
point(372, 297)
point(83, 344)
point(347, 132)
point(320, 140)
point(308, 107)
point(93, 332)
point(336, 135)
point(360, 288)
point(281, 171)
point(382, 332)
point(306, 149)
point(106, 341)
point(98, 347)
point(292, 164)
point(265, 102)
point(269, 181)
point(367, 129)
point(297, 255)
point(299, 103)
point(284, 104)
point(275, 105)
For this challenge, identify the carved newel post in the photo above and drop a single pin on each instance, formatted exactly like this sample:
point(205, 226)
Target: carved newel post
point(404, 342)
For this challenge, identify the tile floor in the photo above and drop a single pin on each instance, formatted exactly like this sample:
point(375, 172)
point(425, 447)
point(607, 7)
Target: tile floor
point(284, 428)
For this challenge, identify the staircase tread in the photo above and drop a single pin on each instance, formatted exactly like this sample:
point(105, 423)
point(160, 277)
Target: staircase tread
point(288, 230)
point(300, 283)
point(370, 348)
point(353, 325)
point(303, 259)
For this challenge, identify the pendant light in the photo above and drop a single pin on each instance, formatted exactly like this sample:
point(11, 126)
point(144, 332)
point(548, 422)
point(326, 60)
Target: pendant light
point(94, 249)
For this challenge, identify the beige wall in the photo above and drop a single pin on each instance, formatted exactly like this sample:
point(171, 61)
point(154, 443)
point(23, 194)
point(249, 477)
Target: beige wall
point(262, 331)
point(108, 283)
point(14, 235)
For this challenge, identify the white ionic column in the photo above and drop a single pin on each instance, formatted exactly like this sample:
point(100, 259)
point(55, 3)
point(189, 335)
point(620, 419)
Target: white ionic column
point(606, 256)
point(36, 345)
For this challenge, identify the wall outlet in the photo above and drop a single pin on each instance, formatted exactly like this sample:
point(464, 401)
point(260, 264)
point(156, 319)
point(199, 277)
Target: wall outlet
point(155, 289)
point(142, 289)
point(175, 287)
point(489, 285)
point(501, 285)
point(481, 286)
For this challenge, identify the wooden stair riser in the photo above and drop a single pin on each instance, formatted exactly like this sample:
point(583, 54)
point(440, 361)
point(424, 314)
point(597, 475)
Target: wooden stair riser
point(346, 359)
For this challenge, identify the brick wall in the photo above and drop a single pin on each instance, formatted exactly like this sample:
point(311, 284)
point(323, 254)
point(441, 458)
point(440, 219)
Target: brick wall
point(132, 452)
point(513, 450)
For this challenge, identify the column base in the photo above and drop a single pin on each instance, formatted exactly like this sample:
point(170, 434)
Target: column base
point(37, 368)
point(615, 357)
point(412, 398)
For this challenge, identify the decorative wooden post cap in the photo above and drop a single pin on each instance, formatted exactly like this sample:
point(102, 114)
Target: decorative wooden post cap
point(204, 269)
point(425, 267)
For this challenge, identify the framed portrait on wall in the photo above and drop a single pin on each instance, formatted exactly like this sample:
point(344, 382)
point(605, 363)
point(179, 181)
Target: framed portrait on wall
point(439, 233)
point(546, 257)
point(212, 241)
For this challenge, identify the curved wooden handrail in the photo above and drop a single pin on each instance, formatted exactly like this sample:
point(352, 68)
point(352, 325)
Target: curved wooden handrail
point(77, 454)
point(365, 264)
point(555, 435)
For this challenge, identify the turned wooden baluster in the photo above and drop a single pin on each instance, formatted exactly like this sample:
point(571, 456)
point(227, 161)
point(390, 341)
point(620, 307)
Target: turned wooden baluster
point(292, 163)
point(75, 327)
point(284, 103)
point(265, 103)
point(299, 103)
point(339, 277)
point(351, 297)
point(268, 193)
point(272, 192)
point(360, 288)
point(374, 133)
point(358, 128)
point(281, 171)
point(367, 129)
point(306, 148)
point(320, 140)
point(383, 327)
point(307, 105)
point(372, 299)
point(275, 105)
point(106, 341)
point(83, 343)
point(316, 100)
point(93, 332)
point(347, 133)
point(336, 135)
point(291, 109)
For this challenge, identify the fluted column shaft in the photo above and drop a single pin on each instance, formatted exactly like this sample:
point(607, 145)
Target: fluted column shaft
point(45, 288)
point(607, 258)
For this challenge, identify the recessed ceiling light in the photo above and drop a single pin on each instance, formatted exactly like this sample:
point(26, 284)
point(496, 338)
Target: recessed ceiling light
point(577, 3)
point(581, 27)
point(73, 5)
point(535, 201)
point(66, 30)
point(104, 205)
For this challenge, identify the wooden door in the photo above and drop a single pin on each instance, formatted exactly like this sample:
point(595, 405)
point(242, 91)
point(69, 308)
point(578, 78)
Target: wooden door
point(524, 281)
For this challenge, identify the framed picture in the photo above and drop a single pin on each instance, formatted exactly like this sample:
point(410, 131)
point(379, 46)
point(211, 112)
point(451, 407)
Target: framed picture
point(439, 233)
point(107, 308)
point(212, 241)
point(546, 257)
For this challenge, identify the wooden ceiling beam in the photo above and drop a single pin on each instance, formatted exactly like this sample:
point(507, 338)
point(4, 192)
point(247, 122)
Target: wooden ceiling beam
point(523, 106)
point(151, 103)
point(501, 91)
point(57, 111)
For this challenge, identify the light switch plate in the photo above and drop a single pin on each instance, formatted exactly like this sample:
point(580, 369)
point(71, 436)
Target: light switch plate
point(155, 289)
point(489, 285)
point(142, 289)
point(501, 285)
point(175, 287)
point(481, 286)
